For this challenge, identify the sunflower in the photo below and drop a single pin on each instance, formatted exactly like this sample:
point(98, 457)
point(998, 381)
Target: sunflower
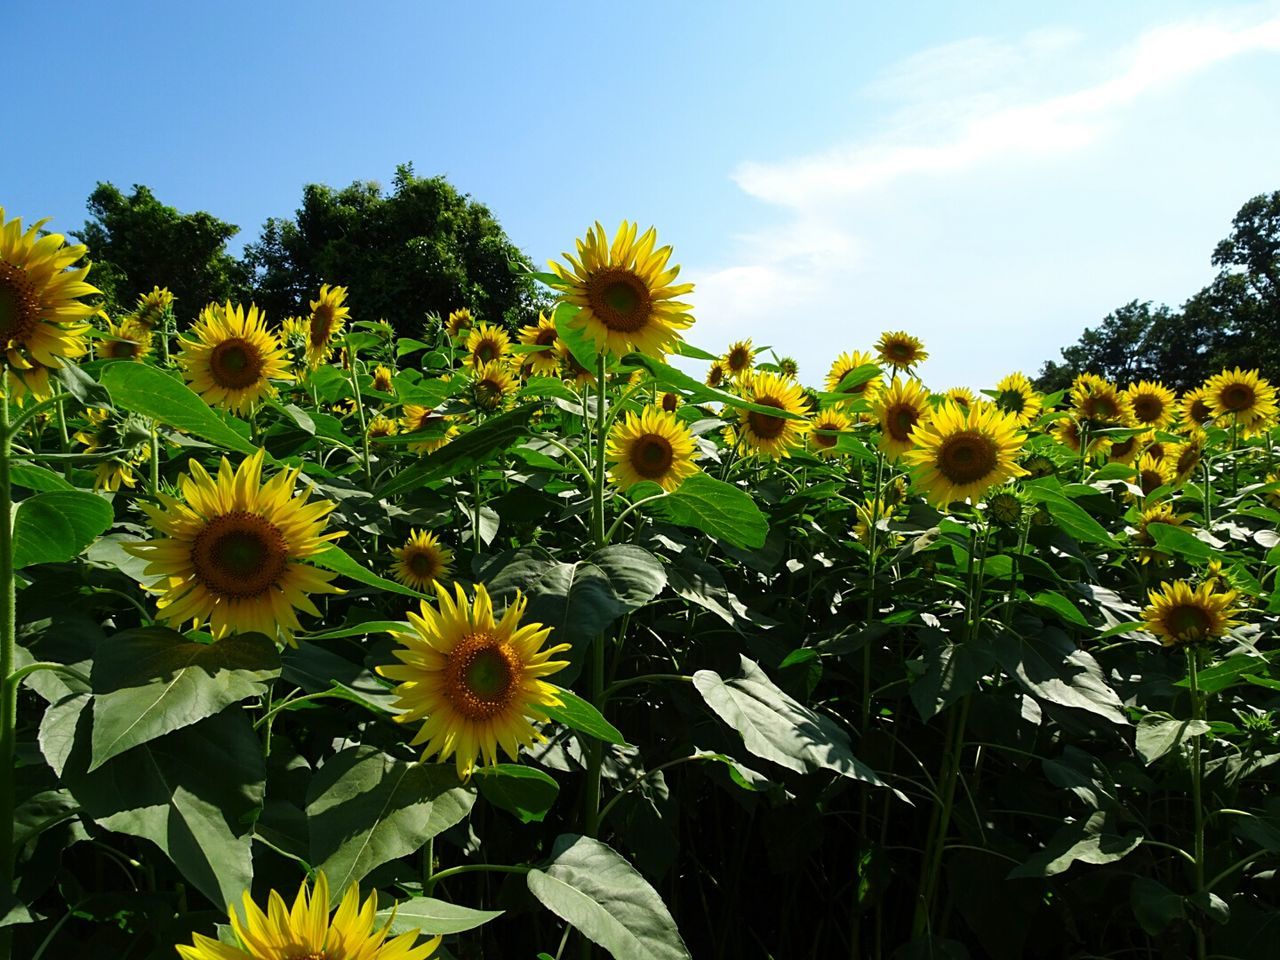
point(570, 368)
point(1005, 507)
point(42, 321)
point(491, 385)
point(459, 322)
point(899, 407)
point(293, 340)
point(739, 358)
point(382, 379)
point(381, 426)
point(328, 314)
point(541, 334)
point(715, 374)
point(1242, 398)
point(1016, 395)
point(624, 292)
point(961, 454)
point(1153, 404)
point(231, 548)
point(475, 681)
point(788, 367)
point(962, 397)
point(1187, 456)
point(1273, 495)
point(844, 365)
point(1038, 465)
point(125, 439)
point(1125, 451)
point(768, 435)
point(418, 418)
point(651, 445)
point(1151, 474)
point(233, 358)
point(825, 432)
point(1067, 432)
point(307, 932)
point(900, 350)
point(874, 514)
point(1196, 411)
point(132, 341)
point(670, 402)
point(421, 561)
point(1160, 513)
point(1099, 403)
point(1181, 615)
point(487, 344)
point(153, 306)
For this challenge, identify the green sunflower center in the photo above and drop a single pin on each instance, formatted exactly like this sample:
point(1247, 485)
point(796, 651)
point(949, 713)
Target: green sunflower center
point(486, 350)
point(481, 677)
point(424, 563)
point(19, 304)
point(321, 325)
point(967, 457)
point(651, 456)
point(235, 364)
point(239, 555)
point(1099, 407)
point(762, 424)
point(488, 393)
point(620, 299)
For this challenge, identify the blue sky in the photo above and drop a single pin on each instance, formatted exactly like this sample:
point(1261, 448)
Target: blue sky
point(990, 176)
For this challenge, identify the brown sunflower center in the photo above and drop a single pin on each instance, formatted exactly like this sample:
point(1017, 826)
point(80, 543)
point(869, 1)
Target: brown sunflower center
point(763, 425)
point(486, 350)
point(739, 359)
point(1200, 411)
point(424, 563)
point(1237, 396)
point(19, 304)
point(967, 457)
point(122, 349)
point(1099, 407)
point(651, 456)
point(1188, 621)
point(545, 338)
point(239, 555)
point(235, 364)
point(900, 351)
point(321, 325)
point(1147, 408)
point(1149, 480)
point(900, 421)
point(620, 299)
point(825, 435)
point(481, 676)
point(1188, 459)
point(669, 402)
point(1123, 448)
point(715, 376)
point(382, 381)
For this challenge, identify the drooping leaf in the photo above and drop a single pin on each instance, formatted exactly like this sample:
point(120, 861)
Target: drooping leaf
point(54, 526)
point(153, 393)
point(577, 714)
point(1155, 906)
point(1157, 735)
point(1073, 518)
point(467, 451)
point(716, 508)
point(698, 391)
point(334, 558)
point(1096, 840)
point(35, 477)
point(1051, 667)
point(526, 792)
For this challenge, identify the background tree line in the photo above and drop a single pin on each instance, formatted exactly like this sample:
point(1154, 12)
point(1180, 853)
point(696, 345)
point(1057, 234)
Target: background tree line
point(423, 248)
point(1234, 321)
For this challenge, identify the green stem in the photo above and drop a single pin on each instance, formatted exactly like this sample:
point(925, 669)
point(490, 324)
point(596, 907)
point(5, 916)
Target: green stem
point(364, 430)
point(613, 528)
point(8, 691)
point(646, 678)
point(155, 460)
point(474, 868)
point(475, 512)
point(18, 676)
point(1197, 775)
point(595, 749)
point(642, 778)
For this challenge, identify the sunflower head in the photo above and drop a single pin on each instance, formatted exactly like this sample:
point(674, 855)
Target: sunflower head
point(1038, 465)
point(1150, 474)
point(124, 442)
point(844, 365)
point(960, 454)
point(900, 350)
point(788, 367)
point(487, 344)
point(1071, 432)
point(232, 358)
point(382, 379)
point(1153, 404)
point(1142, 537)
point(739, 358)
point(130, 340)
point(491, 385)
point(570, 369)
point(422, 561)
point(1099, 404)
point(826, 429)
point(1182, 615)
point(899, 407)
point(152, 307)
point(873, 517)
point(1242, 398)
point(1015, 395)
point(328, 314)
point(459, 322)
point(651, 445)
point(382, 427)
point(624, 291)
point(716, 374)
point(544, 360)
point(474, 681)
point(670, 402)
point(1005, 507)
point(962, 397)
point(1126, 450)
point(1188, 455)
point(419, 419)
point(762, 433)
point(1196, 411)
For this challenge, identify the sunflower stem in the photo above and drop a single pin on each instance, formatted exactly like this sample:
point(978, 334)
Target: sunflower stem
point(364, 430)
point(8, 689)
point(595, 749)
point(1194, 662)
point(154, 487)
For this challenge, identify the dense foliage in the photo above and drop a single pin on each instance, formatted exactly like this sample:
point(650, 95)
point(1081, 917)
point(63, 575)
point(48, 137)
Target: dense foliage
point(550, 644)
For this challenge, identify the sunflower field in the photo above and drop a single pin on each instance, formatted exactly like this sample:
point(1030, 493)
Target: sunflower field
point(323, 642)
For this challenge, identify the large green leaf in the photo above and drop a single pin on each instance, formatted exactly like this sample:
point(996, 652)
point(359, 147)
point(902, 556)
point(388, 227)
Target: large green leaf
point(590, 886)
point(365, 808)
point(1072, 517)
point(470, 450)
point(313, 668)
point(1050, 666)
point(1182, 543)
point(1157, 735)
point(576, 714)
point(153, 681)
point(430, 916)
point(698, 391)
point(580, 345)
point(334, 558)
point(194, 793)
point(153, 393)
point(778, 728)
point(716, 508)
point(1096, 840)
point(35, 477)
point(526, 792)
point(54, 526)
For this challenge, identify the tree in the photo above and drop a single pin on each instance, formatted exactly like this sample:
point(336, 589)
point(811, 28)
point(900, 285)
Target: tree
point(137, 242)
point(425, 248)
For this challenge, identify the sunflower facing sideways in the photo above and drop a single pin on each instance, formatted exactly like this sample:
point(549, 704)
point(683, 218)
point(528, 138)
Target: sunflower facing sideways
point(1196, 411)
point(382, 379)
point(233, 357)
point(153, 306)
point(767, 435)
point(421, 561)
point(458, 323)
point(230, 550)
point(1243, 399)
point(42, 321)
point(715, 374)
point(651, 445)
point(130, 340)
point(960, 454)
point(825, 432)
point(900, 350)
point(624, 291)
point(1182, 615)
point(1016, 395)
point(899, 407)
point(306, 931)
point(474, 681)
point(328, 314)
point(417, 418)
point(1151, 474)
point(1098, 404)
point(544, 361)
point(127, 441)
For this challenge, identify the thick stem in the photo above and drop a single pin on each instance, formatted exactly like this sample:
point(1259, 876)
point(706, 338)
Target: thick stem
point(1197, 775)
point(8, 691)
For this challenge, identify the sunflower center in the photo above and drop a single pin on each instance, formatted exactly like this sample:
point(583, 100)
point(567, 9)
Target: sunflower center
point(482, 676)
point(235, 364)
point(1188, 460)
point(1100, 408)
point(1149, 480)
point(1147, 408)
point(424, 564)
point(239, 555)
point(321, 325)
point(1011, 401)
point(714, 376)
point(488, 394)
point(19, 305)
point(900, 351)
point(1188, 621)
point(1124, 447)
point(763, 425)
point(738, 359)
point(651, 456)
point(117, 349)
point(825, 435)
point(1200, 411)
point(545, 338)
point(900, 421)
point(967, 457)
point(669, 402)
point(1237, 396)
point(486, 350)
point(620, 299)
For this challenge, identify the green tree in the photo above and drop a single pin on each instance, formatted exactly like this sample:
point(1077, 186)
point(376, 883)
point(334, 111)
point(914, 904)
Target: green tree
point(136, 242)
point(424, 248)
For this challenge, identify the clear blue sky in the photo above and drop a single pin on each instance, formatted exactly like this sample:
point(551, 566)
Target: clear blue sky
point(991, 176)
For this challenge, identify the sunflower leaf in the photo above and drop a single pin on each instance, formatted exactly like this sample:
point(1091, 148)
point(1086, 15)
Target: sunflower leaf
point(526, 792)
point(430, 916)
point(577, 714)
point(580, 345)
point(716, 508)
point(54, 526)
point(469, 450)
point(153, 393)
point(338, 560)
point(695, 390)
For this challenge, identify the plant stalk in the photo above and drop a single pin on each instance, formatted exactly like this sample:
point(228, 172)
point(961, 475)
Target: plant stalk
point(8, 691)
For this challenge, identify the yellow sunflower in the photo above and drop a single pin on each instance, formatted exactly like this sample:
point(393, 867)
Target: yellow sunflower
point(1160, 513)
point(625, 292)
point(42, 321)
point(1151, 474)
point(421, 561)
point(132, 341)
point(475, 681)
point(1125, 451)
point(670, 402)
point(104, 432)
point(1016, 395)
point(845, 364)
point(900, 350)
point(1273, 496)
point(1182, 615)
point(491, 385)
point(381, 426)
point(1099, 403)
point(1153, 404)
point(328, 314)
point(1188, 455)
point(153, 306)
point(960, 454)
point(1243, 398)
point(233, 357)
point(418, 418)
point(487, 344)
point(306, 932)
point(1196, 411)
point(962, 397)
point(541, 334)
point(651, 445)
point(738, 359)
point(1067, 431)
point(825, 432)
point(382, 379)
point(874, 513)
point(570, 368)
point(459, 322)
point(898, 408)
point(230, 550)
point(768, 435)
point(715, 374)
